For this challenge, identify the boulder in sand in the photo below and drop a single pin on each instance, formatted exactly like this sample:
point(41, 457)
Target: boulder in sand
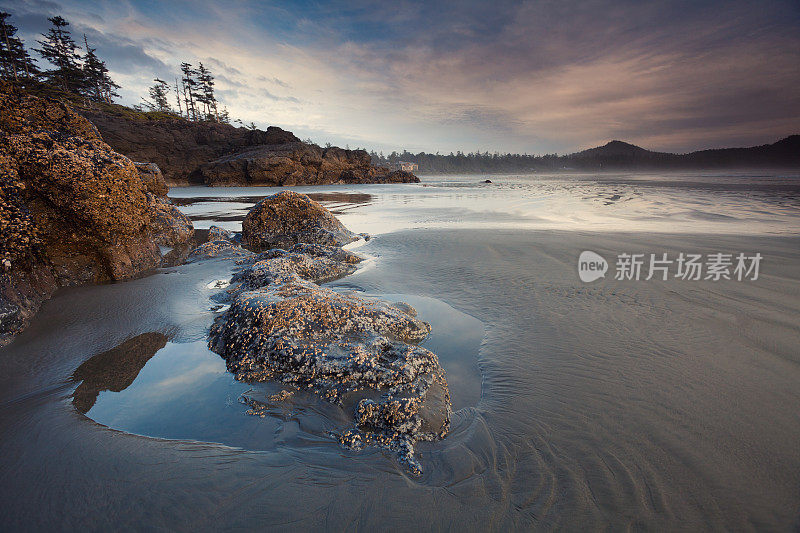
point(287, 218)
point(72, 210)
point(360, 353)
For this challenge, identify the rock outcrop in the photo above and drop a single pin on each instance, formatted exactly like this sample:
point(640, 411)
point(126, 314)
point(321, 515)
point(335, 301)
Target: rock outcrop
point(360, 353)
point(72, 210)
point(288, 218)
point(298, 163)
point(219, 154)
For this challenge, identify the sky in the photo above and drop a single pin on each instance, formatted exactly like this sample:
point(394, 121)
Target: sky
point(526, 77)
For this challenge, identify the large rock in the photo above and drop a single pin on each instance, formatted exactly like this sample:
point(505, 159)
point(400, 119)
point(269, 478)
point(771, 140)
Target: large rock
point(220, 154)
point(356, 352)
point(169, 226)
point(152, 177)
point(72, 210)
point(288, 218)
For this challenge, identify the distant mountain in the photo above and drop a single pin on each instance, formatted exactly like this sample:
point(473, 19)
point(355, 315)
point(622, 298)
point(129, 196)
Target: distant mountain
point(784, 153)
point(617, 149)
point(616, 155)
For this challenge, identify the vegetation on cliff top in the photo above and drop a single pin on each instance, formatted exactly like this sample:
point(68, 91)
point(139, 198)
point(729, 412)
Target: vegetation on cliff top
point(79, 76)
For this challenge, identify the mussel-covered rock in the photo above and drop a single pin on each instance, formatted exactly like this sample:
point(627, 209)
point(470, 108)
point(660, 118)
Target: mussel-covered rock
point(287, 218)
point(357, 352)
point(72, 210)
point(334, 344)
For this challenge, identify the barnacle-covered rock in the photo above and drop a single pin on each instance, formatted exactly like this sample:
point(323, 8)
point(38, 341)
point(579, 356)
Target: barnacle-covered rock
point(152, 178)
point(282, 327)
point(287, 218)
point(170, 226)
point(215, 233)
point(72, 210)
point(277, 266)
point(331, 252)
point(217, 249)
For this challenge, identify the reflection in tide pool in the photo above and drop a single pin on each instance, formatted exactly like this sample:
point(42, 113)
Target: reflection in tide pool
point(115, 369)
point(149, 386)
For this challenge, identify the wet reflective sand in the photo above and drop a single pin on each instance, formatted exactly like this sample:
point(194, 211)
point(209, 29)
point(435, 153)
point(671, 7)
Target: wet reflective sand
point(617, 404)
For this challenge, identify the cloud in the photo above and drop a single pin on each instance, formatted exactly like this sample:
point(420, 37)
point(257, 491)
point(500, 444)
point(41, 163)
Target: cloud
point(535, 76)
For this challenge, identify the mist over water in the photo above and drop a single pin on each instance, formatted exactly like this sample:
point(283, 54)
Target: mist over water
point(737, 203)
point(612, 404)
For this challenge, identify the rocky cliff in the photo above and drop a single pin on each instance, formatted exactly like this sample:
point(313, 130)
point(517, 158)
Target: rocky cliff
point(72, 210)
point(219, 154)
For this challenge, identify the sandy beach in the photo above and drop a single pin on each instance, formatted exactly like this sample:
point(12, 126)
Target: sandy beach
point(622, 403)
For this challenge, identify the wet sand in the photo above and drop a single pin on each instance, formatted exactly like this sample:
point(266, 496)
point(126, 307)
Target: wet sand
point(616, 404)
point(621, 404)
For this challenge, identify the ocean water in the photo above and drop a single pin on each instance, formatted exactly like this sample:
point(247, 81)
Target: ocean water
point(619, 403)
point(734, 203)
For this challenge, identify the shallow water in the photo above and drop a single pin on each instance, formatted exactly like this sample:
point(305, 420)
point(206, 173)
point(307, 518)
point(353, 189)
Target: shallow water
point(181, 390)
point(736, 203)
point(618, 404)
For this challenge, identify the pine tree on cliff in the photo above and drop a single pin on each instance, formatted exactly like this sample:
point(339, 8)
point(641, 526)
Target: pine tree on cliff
point(206, 92)
point(158, 97)
point(189, 90)
point(225, 116)
point(99, 85)
point(178, 97)
point(15, 61)
point(59, 49)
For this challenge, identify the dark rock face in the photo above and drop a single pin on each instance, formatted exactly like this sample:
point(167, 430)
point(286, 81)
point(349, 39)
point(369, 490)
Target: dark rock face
point(298, 163)
point(72, 210)
point(281, 325)
point(220, 154)
point(288, 218)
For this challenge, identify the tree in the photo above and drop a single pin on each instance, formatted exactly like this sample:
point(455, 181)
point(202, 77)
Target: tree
point(15, 62)
point(205, 93)
point(178, 97)
point(59, 49)
point(224, 116)
point(189, 89)
point(158, 97)
point(99, 85)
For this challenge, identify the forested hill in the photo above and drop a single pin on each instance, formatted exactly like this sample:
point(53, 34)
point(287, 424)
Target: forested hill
point(614, 155)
